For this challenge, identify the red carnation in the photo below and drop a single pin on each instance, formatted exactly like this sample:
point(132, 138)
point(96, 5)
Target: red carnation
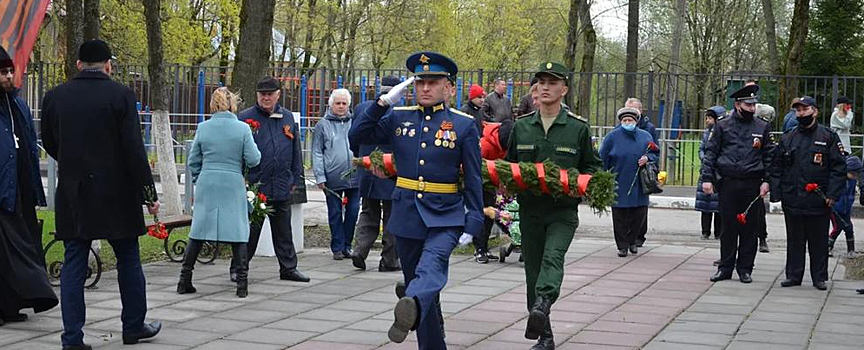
point(344, 201)
point(253, 124)
point(811, 187)
point(652, 146)
point(742, 218)
point(262, 197)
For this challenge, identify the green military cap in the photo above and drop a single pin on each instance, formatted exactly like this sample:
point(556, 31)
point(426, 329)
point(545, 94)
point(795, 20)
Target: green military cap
point(552, 68)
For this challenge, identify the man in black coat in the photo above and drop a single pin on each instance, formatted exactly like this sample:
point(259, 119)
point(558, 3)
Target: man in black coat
point(738, 159)
point(91, 127)
point(809, 175)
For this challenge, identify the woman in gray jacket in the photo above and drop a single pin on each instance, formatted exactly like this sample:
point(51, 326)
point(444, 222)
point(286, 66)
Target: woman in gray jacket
point(331, 157)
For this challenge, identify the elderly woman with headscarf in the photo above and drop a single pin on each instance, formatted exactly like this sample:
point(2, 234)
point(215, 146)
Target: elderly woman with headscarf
point(624, 150)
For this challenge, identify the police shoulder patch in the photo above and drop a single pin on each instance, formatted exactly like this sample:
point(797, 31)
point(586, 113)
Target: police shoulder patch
point(458, 112)
point(577, 117)
point(407, 108)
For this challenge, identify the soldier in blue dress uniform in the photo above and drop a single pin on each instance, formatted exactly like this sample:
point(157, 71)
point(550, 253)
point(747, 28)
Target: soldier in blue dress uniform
point(433, 146)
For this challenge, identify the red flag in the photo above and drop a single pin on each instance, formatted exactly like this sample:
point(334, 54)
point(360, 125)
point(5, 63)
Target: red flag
point(19, 28)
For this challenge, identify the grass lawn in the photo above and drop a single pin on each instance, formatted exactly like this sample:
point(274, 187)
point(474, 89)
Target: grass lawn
point(687, 164)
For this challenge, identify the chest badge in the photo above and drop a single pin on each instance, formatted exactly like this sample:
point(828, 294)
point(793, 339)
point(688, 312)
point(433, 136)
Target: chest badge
point(398, 131)
point(757, 143)
point(817, 158)
point(287, 131)
point(840, 147)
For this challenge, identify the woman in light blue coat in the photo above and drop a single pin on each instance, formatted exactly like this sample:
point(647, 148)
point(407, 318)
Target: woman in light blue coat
point(223, 147)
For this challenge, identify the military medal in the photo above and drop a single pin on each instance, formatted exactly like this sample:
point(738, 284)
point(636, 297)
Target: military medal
point(442, 137)
point(757, 144)
point(817, 158)
point(398, 131)
point(840, 146)
point(412, 132)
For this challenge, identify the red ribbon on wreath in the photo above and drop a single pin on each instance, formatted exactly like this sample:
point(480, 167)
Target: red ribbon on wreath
point(541, 176)
point(367, 162)
point(565, 181)
point(388, 163)
point(582, 182)
point(493, 173)
point(517, 176)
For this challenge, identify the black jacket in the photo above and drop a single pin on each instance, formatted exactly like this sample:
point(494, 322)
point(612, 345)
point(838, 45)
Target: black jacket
point(497, 107)
point(738, 149)
point(371, 186)
point(475, 111)
point(807, 156)
point(526, 105)
point(280, 172)
point(91, 127)
point(9, 154)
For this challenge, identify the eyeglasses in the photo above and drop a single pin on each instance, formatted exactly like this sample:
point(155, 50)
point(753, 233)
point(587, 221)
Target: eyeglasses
point(7, 71)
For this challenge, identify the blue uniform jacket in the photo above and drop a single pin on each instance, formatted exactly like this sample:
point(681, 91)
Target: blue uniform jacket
point(620, 153)
point(847, 198)
point(281, 166)
point(371, 186)
point(9, 155)
point(411, 132)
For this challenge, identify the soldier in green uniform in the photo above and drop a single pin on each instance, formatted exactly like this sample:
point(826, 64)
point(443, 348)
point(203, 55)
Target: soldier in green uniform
point(548, 224)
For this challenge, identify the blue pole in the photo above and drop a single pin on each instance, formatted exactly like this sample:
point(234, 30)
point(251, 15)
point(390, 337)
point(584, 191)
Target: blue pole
point(339, 82)
point(148, 118)
point(363, 89)
point(201, 93)
point(458, 92)
point(377, 86)
point(303, 104)
point(402, 102)
point(510, 89)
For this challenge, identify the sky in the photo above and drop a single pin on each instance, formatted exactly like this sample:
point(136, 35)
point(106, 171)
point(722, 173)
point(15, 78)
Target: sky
point(610, 18)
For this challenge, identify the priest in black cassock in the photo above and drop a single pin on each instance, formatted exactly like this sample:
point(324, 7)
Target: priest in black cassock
point(23, 280)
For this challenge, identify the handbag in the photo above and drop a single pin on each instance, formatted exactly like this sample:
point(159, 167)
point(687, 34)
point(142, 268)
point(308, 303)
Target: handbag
point(648, 179)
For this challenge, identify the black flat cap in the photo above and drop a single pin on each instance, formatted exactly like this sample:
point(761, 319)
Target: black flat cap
point(94, 51)
point(390, 80)
point(267, 84)
point(844, 99)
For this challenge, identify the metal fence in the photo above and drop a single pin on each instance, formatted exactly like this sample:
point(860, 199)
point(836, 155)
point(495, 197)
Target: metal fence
point(306, 92)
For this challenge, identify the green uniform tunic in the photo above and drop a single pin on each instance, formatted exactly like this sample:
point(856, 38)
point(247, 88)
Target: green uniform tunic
point(548, 224)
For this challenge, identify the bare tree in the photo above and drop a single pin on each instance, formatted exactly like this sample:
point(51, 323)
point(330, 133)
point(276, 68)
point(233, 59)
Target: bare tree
point(570, 48)
point(74, 35)
point(253, 49)
point(161, 119)
point(797, 38)
point(91, 19)
point(632, 48)
point(671, 80)
point(771, 36)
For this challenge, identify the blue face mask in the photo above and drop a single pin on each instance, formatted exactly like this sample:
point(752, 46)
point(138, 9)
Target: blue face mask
point(628, 127)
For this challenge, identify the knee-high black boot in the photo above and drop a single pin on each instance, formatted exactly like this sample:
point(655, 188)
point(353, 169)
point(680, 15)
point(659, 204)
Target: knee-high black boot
point(241, 256)
point(184, 286)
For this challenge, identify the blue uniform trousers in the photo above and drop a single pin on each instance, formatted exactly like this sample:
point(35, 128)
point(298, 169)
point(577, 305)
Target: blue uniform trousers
point(425, 264)
point(342, 222)
point(130, 277)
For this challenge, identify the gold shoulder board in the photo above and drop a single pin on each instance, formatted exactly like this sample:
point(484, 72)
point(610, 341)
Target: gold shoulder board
point(577, 117)
point(406, 108)
point(456, 111)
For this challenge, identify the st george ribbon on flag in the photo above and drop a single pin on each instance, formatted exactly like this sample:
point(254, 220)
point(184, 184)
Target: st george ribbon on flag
point(20, 21)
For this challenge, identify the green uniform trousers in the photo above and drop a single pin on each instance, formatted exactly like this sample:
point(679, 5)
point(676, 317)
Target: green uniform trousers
point(546, 236)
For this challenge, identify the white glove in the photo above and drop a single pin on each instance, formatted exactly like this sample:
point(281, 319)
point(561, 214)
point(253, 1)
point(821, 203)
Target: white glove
point(465, 239)
point(395, 94)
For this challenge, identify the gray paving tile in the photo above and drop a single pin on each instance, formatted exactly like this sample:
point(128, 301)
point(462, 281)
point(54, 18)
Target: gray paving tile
point(223, 344)
point(745, 345)
point(703, 327)
point(693, 337)
point(308, 325)
point(785, 338)
point(354, 336)
point(272, 336)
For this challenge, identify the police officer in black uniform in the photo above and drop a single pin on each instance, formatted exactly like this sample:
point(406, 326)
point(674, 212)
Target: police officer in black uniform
point(737, 160)
point(808, 154)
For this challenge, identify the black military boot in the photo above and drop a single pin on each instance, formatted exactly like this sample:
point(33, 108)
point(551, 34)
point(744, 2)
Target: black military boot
point(184, 286)
point(763, 245)
point(546, 340)
point(538, 318)
point(850, 247)
point(831, 242)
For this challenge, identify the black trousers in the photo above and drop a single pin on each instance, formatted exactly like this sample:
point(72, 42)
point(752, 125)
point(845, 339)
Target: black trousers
point(706, 224)
point(627, 223)
point(807, 233)
point(738, 242)
point(283, 240)
point(193, 249)
point(368, 225)
point(762, 224)
point(481, 241)
point(643, 228)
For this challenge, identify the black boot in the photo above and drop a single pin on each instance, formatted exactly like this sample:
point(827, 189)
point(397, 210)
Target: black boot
point(546, 340)
point(184, 286)
point(850, 247)
point(242, 270)
point(538, 318)
point(763, 245)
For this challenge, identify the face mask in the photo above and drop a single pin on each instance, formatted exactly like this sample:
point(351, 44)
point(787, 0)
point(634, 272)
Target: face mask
point(628, 127)
point(747, 115)
point(805, 121)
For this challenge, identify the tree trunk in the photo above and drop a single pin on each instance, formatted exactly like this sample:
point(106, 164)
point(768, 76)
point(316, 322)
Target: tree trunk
point(570, 49)
point(252, 57)
point(91, 19)
point(160, 118)
point(589, 47)
point(671, 82)
point(797, 38)
point(74, 35)
point(771, 36)
point(632, 48)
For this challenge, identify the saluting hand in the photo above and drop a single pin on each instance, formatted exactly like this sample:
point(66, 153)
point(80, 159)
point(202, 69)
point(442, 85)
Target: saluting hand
point(395, 93)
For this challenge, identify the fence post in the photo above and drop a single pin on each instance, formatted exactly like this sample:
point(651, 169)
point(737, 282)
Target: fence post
point(201, 94)
point(304, 105)
point(362, 89)
point(187, 185)
point(649, 102)
point(402, 101)
point(52, 182)
point(835, 86)
point(458, 92)
point(510, 89)
point(377, 86)
point(339, 81)
point(175, 105)
point(480, 77)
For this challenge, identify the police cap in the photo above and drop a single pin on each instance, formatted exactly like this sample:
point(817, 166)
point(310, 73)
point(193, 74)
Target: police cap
point(747, 94)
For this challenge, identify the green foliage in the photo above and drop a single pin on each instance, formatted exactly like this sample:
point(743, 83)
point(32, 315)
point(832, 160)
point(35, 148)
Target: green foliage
point(835, 39)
